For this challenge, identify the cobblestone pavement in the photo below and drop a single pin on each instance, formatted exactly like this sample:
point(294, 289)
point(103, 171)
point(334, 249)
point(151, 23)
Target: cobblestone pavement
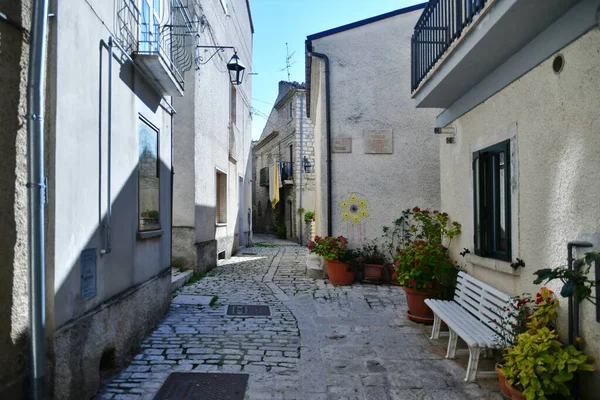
point(320, 341)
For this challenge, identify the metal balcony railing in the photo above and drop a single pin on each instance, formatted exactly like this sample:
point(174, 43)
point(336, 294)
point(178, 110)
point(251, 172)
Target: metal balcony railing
point(168, 35)
point(440, 24)
point(287, 171)
point(264, 176)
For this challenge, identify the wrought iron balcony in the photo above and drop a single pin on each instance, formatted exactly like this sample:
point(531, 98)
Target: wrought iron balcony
point(287, 171)
point(441, 23)
point(159, 41)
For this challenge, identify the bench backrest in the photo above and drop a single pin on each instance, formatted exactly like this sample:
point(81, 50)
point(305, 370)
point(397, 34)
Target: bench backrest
point(486, 303)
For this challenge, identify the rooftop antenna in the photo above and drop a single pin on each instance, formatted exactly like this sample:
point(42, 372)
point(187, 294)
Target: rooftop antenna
point(288, 60)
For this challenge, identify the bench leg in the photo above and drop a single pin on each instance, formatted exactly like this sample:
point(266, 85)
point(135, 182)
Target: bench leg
point(435, 330)
point(474, 353)
point(452, 342)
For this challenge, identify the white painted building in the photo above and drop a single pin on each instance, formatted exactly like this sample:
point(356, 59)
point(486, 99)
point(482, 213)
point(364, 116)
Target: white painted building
point(520, 88)
point(212, 191)
point(112, 69)
point(287, 138)
point(384, 156)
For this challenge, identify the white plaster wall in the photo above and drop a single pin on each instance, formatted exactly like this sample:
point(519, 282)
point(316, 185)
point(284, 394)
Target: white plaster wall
point(370, 73)
point(553, 121)
point(211, 116)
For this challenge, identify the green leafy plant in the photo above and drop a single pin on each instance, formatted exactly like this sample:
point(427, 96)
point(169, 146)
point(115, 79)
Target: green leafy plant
point(213, 301)
point(398, 235)
point(576, 282)
point(538, 363)
point(514, 320)
point(301, 210)
point(331, 248)
point(281, 231)
point(309, 216)
point(152, 214)
point(423, 262)
point(371, 253)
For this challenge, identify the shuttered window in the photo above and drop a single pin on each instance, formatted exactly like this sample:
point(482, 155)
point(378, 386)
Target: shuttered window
point(221, 194)
point(491, 191)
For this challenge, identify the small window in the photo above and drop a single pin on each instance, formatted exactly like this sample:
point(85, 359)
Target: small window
point(233, 106)
point(221, 198)
point(150, 26)
point(291, 111)
point(491, 191)
point(148, 177)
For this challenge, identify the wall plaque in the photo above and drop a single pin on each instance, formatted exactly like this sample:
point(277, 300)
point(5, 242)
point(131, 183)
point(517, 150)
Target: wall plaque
point(342, 145)
point(378, 142)
point(88, 274)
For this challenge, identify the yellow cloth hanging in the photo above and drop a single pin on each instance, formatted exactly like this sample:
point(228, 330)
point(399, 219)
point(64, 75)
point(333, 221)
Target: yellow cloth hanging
point(274, 184)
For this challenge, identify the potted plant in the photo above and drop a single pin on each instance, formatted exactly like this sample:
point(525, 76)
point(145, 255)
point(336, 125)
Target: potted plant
point(424, 267)
point(309, 217)
point(538, 364)
point(372, 260)
point(335, 250)
point(513, 322)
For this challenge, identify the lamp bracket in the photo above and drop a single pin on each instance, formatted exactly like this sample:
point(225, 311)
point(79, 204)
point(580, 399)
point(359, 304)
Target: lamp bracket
point(200, 60)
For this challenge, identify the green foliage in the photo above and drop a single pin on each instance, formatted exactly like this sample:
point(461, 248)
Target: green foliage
point(301, 210)
point(267, 245)
point(195, 278)
point(371, 253)
point(538, 363)
point(213, 301)
point(541, 366)
point(331, 248)
point(309, 216)
point(422, 260)
point(398, 236)
point(281, 231)
point(514, 320)
point(576, 282)
point(153, 214)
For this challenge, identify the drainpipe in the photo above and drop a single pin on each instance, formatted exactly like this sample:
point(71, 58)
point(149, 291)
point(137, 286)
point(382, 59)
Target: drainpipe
point(108, 239)
point(328, 112)
point(574, 308)
point(37, 197)
point(301, 162)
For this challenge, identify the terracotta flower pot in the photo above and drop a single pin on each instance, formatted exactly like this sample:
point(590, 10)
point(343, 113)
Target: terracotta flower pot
point(418, 311)
point(393, 276)
point(504, 385)
point(373, 271)
point(516, 394)
point(338, 273)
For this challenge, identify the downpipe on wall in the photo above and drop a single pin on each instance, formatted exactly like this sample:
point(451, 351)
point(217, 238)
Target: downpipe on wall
point(328, 129)
point(37, 198)
point(107, 234)
point(301, 164)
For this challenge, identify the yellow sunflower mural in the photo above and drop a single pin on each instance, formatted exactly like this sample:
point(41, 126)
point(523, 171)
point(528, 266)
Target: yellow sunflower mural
point(354, 208)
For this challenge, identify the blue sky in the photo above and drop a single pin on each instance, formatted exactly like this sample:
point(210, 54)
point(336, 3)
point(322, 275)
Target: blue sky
point(279, 21)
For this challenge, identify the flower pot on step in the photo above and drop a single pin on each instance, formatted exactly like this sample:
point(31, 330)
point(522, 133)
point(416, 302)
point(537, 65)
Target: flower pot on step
point(339, 273)
point(418, 311)
point(516, 394)
point(373, 272)
point(504, 385)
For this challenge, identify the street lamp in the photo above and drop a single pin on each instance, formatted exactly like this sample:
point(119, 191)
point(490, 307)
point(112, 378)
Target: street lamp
point(234, 66)
point(236, 70)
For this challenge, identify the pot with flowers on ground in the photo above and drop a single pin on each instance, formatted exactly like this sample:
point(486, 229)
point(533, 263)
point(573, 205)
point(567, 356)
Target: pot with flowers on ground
point(372, 260)
point(425, 269)
point(538, 366)
point(339, 258)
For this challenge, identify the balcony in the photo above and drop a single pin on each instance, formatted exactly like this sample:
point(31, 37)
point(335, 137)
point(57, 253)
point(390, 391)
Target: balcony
point(456, 44)
point(264, 176)
point(159, 44)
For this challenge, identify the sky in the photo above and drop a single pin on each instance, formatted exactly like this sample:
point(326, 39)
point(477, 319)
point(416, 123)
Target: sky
point(277, 22)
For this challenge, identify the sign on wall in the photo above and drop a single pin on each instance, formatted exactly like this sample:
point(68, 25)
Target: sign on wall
point(88, 274)
point(378, 141)
point(342, 145)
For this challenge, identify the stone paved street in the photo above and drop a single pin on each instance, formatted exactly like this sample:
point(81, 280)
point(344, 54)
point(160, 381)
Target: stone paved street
point(320, 341)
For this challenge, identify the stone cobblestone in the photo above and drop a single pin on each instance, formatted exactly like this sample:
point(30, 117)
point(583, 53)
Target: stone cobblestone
point(320, 341)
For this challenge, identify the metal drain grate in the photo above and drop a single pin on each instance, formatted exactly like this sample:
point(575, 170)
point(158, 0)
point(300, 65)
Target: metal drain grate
point(247, 310)
point(201, 386)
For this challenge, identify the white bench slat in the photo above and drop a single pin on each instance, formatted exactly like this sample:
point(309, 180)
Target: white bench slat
point(471, 316)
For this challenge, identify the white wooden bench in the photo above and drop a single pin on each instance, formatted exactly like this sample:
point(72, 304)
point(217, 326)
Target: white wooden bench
point(470, 316)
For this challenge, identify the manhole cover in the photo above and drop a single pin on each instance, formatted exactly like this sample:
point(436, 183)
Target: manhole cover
point(201, 386)
point(248, 310)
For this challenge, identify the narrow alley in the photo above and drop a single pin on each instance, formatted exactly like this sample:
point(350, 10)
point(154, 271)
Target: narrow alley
point(320, 341)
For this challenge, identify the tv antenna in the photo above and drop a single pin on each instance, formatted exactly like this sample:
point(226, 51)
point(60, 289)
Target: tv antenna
point(288, 60)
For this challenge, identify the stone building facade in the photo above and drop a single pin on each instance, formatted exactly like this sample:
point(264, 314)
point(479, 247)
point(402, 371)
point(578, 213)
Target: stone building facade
point(288, 138)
